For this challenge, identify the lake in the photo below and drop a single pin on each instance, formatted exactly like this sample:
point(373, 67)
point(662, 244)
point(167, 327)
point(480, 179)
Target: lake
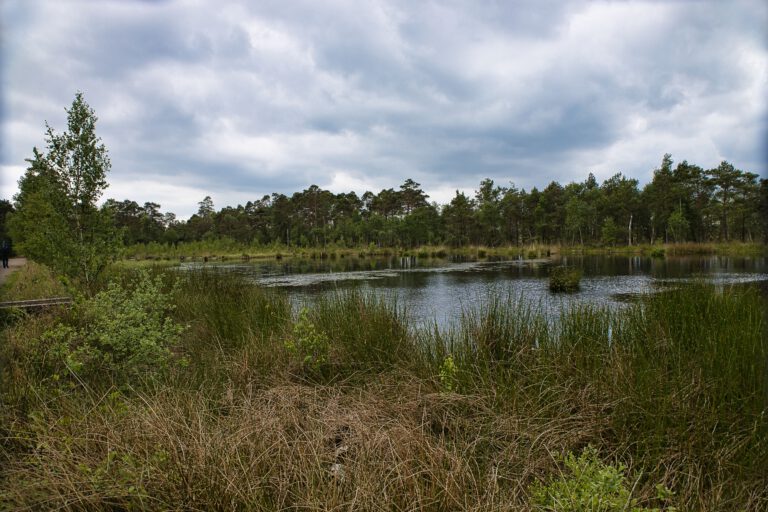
point(438, 288)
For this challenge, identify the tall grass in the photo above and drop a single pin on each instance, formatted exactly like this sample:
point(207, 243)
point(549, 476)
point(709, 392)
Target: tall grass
point(33, 281)
point(491, 342)
point(690, 370)
point(233, 328)
point(675, 387)
point(367, 332)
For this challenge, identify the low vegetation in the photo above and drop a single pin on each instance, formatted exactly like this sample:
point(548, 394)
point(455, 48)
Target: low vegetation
point(564, 279)
point(33, 281)
point(228, 250)
point(199, 391)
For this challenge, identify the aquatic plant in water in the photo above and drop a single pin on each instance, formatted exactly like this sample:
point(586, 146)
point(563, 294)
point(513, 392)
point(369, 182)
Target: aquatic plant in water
point(564, 279)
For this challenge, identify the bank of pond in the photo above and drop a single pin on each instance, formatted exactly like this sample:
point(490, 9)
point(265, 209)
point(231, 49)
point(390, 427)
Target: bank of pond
point(226, 249)
point(200, 390)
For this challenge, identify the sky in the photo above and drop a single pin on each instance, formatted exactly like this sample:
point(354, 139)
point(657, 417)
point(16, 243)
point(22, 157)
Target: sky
point(239, 99)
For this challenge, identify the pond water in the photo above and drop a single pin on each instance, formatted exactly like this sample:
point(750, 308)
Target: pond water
point(438, 289)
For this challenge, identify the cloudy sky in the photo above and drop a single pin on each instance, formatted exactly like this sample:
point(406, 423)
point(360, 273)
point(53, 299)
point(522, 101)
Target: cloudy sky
point(237, 99)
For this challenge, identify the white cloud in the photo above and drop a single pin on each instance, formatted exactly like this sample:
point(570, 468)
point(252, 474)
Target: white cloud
point(180, 199)
point(11, 175)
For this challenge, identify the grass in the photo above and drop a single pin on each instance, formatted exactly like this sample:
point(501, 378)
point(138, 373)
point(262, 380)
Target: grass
point(564, 279)
point(675, 249)
point(33, 281)
point(225, 249)
point(673, 387)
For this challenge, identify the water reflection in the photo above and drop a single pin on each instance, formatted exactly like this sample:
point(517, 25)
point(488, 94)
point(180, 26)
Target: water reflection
point(435, 288)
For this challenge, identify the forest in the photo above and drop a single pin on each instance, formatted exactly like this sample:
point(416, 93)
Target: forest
point(682, 203)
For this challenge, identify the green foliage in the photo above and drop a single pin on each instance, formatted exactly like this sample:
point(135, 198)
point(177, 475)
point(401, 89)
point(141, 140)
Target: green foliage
point(57, 221)
point(610, 233)
point(564, 279)
point(369, 332)
point(308, 344)
point(5, 208)
point(459, 220)
point(590, 485)
point(125, 334)
point(448, 374)
point(33, 281)
point(678, 226)
point(682, 202)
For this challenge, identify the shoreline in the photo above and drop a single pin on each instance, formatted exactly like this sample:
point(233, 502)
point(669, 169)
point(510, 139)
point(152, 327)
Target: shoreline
point(223, 252)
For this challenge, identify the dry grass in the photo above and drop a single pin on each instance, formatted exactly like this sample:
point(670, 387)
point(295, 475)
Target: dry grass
point(393, 445)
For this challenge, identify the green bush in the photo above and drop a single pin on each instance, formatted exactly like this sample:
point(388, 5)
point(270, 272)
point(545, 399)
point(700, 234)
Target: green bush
point(308, 344)
point(564, 279)
point(590, 486)
point(448, 377)
point(125, 334)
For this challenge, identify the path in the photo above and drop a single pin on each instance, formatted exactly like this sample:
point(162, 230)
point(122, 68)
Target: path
point(13, 265)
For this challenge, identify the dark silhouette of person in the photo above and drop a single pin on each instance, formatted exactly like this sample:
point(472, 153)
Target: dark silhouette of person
point(5, 250)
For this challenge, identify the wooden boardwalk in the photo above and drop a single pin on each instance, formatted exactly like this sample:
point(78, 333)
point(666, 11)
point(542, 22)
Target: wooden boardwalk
point(36, 303)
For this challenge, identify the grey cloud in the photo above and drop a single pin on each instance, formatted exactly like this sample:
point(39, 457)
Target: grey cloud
point(449, 92)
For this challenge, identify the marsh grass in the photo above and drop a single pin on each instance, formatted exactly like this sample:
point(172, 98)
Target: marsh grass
point(564, 279)
point(674, 387)
point(491, 341)
point(691, 373)
point(368, 333)
point(33, 281)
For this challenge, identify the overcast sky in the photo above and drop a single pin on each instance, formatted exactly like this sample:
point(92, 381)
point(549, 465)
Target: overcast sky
point(237, 99)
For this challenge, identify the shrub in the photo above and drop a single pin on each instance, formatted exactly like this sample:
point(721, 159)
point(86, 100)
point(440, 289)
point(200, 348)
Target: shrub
point(564, 279)
point(124, 333)
point(590, 486)
point(308, 344)
point(448, 371)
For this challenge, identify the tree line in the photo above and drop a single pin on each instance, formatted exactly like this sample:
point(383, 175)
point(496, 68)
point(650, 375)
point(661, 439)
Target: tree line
point(56, 217)
point(682, 203)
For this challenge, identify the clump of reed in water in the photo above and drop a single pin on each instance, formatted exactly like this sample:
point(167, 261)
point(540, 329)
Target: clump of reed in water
point(564, 279)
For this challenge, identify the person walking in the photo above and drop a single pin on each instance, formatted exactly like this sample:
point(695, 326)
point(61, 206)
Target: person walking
point(5, 251)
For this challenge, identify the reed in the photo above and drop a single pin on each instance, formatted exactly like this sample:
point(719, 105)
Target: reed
point(367, 332)
point(564, 279)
